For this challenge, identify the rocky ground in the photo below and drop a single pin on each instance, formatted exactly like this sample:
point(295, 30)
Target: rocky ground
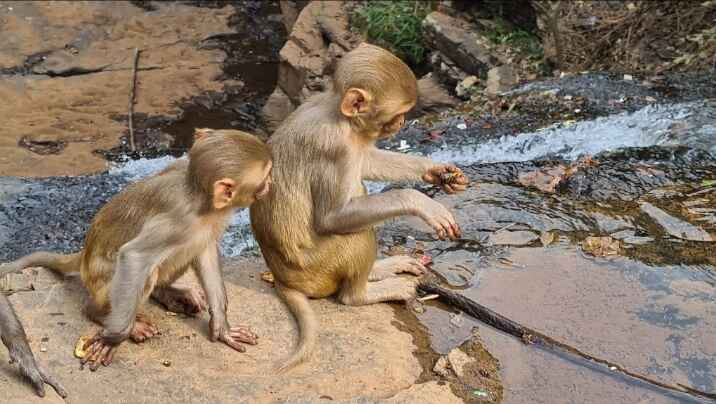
point(591, 216)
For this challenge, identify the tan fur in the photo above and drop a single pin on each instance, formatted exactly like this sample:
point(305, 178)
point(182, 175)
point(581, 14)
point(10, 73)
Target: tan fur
point(315, 225)
point(161, 225)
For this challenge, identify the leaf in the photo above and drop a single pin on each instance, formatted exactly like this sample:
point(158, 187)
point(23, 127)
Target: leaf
point(708, 183)
point(547, 238)
point(267, 277)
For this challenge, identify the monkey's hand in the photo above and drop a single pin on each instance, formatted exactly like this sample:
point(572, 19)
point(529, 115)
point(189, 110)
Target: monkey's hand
point(100, 349)
point(232, 336)
point(438, 217)
point(448, 177)
point(35, 373)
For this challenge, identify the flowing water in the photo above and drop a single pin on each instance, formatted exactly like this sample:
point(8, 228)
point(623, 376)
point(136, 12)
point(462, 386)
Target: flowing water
point(650, 306)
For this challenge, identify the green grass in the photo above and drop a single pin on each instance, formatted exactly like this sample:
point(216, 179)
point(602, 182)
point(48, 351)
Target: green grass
point(394, 25)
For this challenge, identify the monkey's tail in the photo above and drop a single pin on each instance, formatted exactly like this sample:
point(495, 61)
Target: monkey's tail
point(298, 304)
point(60, 263)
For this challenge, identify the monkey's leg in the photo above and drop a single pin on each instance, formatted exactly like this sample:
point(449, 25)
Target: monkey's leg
point(142, 329)
point(392, 266)
point(209, 270)
point(14, 338)
point(391, 289)
point(181, 299)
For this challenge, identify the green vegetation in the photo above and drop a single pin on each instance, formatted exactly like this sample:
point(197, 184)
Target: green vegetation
point(526, 43)
point(395, 25)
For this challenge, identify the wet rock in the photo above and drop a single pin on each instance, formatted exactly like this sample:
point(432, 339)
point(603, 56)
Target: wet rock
point(500, 79)
point(675, 227)
point(515, 238)
point(458, 361)
point(459, 41)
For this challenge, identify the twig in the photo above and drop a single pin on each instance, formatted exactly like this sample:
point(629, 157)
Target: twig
point(132, 145)
point(530, 336)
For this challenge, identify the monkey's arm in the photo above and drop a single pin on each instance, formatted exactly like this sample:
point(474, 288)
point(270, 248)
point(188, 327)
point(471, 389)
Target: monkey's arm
point(136, 260)
point(14, 338)
point(208, 269)
point(383, 165)
point(361, 213)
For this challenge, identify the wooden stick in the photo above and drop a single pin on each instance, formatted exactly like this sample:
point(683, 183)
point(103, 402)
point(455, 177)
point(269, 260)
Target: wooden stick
point(132, 145)
point(530, 336)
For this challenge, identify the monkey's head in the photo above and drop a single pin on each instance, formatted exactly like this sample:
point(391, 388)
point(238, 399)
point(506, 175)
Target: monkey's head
point(377, 89)
point(229, 168)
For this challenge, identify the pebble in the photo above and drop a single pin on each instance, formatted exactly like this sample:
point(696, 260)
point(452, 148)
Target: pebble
point(461, 126)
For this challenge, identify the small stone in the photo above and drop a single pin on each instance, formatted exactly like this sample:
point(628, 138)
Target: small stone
point(628, 77)
point(461, 126)
point(458, 360)
point(649, 99)
point(167, 363)
point(567, 97)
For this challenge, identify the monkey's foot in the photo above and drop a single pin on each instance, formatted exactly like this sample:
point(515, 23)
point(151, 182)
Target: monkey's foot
point(99, 351)
point(387, 290)
point(142, 330)
point(184, 300)
point(35, 373)
point(392, 266)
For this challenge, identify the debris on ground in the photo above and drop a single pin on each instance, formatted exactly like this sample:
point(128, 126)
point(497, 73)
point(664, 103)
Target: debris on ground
point(601, 246)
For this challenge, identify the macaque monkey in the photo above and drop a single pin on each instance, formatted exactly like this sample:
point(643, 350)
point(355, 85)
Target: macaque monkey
point(315, 226)
point(14, 338)
point(151, 233)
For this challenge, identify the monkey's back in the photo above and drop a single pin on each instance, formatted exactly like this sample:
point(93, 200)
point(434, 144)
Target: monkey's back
point(283, 222)
point(122, 218)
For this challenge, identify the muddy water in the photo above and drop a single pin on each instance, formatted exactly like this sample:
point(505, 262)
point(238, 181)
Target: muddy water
point(659, 321)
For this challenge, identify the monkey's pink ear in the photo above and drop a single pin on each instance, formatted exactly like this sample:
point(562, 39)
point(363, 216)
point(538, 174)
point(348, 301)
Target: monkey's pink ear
point(355, 101)
point(224, 192)
point(201, 132)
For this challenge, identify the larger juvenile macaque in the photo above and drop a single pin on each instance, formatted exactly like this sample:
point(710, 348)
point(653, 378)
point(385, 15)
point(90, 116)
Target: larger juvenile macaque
point(315, 227)
point(148, 235)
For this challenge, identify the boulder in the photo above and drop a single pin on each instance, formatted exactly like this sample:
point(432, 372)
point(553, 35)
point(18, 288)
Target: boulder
point(461, 42)
point(319, 36)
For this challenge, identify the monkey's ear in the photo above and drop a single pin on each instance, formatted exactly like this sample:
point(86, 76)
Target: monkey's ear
point(201, 132)
point(355, 101)
point(224, 192)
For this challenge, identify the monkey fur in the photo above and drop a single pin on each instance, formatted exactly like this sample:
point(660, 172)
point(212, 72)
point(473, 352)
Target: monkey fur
point(152, 232)
point(315, 226)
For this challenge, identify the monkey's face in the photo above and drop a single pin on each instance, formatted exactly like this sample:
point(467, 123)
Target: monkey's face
point(394, 120)
point(255, 185)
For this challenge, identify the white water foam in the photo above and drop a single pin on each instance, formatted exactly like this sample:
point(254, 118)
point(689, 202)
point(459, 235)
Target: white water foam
point(652, 125)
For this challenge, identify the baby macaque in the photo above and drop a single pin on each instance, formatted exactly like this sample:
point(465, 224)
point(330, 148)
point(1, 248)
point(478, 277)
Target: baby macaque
point(315, 226)
point(152, 232)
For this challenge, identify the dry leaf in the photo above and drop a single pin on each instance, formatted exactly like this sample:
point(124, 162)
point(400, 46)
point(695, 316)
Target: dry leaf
point(267, 277)
point(547, 238)
point(80, 352)
point(601, 246)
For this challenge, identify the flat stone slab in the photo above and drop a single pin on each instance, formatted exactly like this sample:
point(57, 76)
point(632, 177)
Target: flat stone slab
point(361, 355)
